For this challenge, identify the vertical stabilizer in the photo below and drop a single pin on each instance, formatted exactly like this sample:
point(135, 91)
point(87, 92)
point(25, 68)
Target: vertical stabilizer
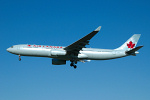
point(130, 43)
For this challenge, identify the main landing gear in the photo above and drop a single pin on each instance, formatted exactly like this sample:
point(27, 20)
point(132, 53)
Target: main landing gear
point(73, 64)
point(19, 58)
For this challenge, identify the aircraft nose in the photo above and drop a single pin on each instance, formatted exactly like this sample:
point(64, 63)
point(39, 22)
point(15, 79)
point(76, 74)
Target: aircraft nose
point(8, 49)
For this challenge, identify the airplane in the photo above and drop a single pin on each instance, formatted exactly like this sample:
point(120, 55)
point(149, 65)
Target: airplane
point(77, 51)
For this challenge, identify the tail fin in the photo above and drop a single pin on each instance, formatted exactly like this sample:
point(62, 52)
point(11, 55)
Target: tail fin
point(130, 43)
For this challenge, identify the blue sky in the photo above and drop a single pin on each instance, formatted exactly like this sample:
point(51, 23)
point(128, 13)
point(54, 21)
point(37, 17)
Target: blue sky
point(62, 23)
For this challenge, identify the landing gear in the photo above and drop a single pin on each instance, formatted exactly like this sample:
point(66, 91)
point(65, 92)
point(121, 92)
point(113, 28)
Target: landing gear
point(73, 64)
point(19, 58)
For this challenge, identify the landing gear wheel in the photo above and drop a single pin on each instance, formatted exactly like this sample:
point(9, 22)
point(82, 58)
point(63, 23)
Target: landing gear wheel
point(75, 62)
point(71, 64)
point(19, 59)
point(75, 66)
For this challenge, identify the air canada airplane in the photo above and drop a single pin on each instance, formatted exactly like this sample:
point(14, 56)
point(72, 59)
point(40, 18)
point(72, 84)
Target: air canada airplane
point(77, 51)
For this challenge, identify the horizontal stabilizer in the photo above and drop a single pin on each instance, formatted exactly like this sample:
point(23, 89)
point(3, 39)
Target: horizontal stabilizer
point(132, 52)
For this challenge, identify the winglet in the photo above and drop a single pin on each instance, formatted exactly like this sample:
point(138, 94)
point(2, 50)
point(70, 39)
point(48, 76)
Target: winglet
point(98, 29)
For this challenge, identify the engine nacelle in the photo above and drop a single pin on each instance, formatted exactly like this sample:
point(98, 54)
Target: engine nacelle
point(58, 62)
point(58, 52)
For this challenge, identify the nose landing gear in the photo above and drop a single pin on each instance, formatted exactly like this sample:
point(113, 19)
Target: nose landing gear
point(19, 58)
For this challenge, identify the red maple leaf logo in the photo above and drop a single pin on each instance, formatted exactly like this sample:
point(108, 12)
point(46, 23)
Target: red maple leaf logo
point(130, 44)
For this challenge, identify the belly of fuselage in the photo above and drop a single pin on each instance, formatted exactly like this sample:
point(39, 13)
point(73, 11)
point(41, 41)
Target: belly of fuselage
point(90, 55)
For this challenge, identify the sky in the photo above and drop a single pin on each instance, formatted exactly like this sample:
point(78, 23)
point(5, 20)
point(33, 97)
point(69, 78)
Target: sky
point(60, 23)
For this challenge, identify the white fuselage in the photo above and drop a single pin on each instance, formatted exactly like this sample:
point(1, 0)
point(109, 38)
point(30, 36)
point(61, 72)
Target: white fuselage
point(59, 52)
point(76, 52)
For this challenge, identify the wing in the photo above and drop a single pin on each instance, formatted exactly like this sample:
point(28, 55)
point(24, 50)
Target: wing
point(75, 47)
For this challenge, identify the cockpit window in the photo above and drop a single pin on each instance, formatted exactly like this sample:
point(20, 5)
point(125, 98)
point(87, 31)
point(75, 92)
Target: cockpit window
point(11, 46)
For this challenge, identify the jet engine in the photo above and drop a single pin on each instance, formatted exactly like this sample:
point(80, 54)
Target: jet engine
point(58, 62)
point(58, 52)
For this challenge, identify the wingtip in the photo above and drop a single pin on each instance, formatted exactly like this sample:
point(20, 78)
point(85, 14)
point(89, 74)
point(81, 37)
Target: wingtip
point(98, 29)
point(138, 34)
